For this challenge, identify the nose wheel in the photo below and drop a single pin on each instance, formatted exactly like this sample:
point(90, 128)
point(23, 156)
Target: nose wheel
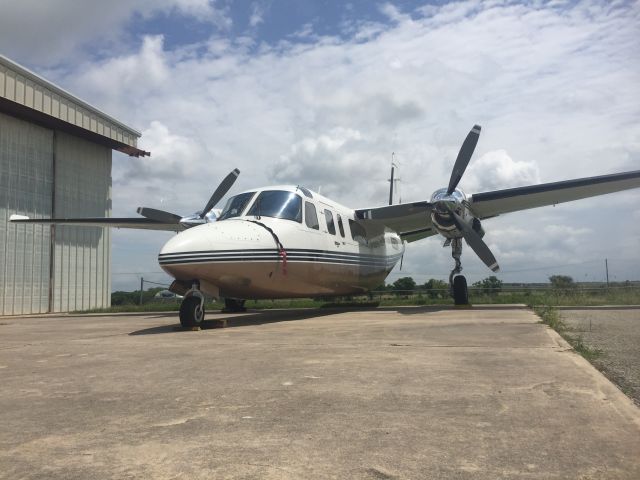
point(457, 282)
point(192, 308)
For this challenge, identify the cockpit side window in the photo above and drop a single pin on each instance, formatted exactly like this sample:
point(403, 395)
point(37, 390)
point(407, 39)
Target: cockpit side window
point(310, 216)
point(235, 206)
point(328, 216)
point(277, 204)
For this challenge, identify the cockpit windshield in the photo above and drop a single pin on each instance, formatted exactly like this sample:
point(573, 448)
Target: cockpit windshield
point(277, 204)
point(235, 206)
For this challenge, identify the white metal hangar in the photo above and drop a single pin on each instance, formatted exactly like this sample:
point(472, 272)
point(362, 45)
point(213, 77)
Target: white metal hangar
point(55, 161)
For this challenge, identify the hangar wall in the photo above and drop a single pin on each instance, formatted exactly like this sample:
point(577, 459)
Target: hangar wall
point(31, 157)
point(55, 162)
point(82, 277)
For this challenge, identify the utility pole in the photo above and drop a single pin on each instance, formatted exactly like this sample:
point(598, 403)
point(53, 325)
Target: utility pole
point(141, 287)
point(606, 268)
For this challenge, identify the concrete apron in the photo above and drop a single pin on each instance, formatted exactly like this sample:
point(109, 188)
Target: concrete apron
point(406, 392)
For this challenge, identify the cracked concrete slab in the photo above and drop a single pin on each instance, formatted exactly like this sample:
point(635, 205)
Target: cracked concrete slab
point(409, 392)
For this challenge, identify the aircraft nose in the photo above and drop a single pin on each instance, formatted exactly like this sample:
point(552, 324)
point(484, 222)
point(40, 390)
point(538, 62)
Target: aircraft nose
point(183, 242)
point(185, 255)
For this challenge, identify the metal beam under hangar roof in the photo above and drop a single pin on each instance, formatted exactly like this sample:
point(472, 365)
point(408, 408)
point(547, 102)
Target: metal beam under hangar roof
point(26, 95)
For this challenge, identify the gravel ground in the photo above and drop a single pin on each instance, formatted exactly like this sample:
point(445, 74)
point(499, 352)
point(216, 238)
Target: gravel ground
point(615, 331)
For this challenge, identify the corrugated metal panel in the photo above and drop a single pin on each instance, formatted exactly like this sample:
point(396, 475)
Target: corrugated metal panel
point(26, 180)
point(81, 259)
point(26, 88)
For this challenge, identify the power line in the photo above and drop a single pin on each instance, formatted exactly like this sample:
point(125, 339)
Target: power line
point(156, 283)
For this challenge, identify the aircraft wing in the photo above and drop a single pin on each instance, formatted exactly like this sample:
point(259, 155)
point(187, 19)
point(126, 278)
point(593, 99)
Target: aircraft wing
point(139, 222)
point(491, 204)
point(412, 221)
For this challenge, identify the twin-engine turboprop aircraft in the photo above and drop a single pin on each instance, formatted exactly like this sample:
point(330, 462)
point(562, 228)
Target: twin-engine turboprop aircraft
point(287, 241)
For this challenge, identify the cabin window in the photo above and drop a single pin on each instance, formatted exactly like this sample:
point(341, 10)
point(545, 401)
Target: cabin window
point(358, 232)
point(340, 227)
point(277, 204)
point(310, 216)
point(235, 206)
point(330, 225)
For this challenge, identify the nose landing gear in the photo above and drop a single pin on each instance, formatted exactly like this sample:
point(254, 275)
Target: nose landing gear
point(192, 307)
point(457, 282)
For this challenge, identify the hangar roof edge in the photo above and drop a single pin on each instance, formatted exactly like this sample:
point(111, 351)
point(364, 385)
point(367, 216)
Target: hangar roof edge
point(31, 91)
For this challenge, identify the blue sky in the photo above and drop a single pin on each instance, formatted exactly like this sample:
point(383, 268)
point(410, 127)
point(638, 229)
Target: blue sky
point(320, 93)
point(270, 21)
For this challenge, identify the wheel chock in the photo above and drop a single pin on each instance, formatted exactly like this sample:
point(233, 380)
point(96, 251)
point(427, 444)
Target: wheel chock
point(186, 329)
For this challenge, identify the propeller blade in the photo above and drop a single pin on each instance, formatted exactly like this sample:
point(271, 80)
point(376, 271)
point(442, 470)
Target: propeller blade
point(475, 242)
point(464, 156)
point(221, 191)
point(159, 215)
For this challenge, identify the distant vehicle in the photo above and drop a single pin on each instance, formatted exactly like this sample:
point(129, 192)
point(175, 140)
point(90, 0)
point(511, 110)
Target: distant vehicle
point(287, 241)
point(166, 295)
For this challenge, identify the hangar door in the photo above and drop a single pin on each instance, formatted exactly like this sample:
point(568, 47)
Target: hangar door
point(26, 182)
point(42, 171)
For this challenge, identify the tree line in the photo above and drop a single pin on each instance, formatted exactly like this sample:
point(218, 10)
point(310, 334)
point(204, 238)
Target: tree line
point(487, 285)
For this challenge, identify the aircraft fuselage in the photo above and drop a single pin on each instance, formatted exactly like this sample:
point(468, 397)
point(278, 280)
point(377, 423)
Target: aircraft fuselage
point(311, 254)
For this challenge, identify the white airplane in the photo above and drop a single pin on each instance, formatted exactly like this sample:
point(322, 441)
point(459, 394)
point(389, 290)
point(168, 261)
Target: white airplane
point(287, 241)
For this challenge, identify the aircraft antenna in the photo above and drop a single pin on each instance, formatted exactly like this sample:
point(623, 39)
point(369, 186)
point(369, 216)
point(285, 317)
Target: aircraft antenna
point(393, 181)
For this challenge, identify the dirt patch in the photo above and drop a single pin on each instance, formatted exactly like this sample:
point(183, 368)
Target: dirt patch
point(617, 333)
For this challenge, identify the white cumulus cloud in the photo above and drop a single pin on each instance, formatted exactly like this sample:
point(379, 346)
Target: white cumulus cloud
point(496, 170)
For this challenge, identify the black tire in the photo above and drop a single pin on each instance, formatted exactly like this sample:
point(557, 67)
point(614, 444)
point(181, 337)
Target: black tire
point(191, 314)
point(234, 305)
point(460, 291)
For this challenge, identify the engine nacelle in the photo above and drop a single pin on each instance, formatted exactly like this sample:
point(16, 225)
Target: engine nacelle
point(441, 216)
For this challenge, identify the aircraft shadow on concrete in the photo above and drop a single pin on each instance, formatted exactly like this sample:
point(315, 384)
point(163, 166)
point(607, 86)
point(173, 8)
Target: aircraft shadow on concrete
point(244, 320)
point(263, 317)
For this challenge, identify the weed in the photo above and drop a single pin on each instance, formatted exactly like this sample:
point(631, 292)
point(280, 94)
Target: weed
point(588, 352)
point(551, 317)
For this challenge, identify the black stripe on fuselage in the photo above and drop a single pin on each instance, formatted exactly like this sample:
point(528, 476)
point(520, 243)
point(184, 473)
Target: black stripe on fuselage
point(290, 251)
point(269, 255)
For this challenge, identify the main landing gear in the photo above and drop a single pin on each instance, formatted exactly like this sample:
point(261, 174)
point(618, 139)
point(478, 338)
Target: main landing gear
point(192, 307)
point(234, 305)
point(457, 282)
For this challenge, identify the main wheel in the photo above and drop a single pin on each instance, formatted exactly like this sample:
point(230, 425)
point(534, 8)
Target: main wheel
point(191, 313)
point(460, 291)
point(234, 305)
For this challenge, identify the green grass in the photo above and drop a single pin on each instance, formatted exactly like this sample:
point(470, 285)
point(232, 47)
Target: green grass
point(550, 316)
point(573, 297)
point(546, 297)
point(588, 352)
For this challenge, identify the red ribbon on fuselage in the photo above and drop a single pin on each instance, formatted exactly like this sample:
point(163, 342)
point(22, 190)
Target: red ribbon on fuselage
point(283, 256)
